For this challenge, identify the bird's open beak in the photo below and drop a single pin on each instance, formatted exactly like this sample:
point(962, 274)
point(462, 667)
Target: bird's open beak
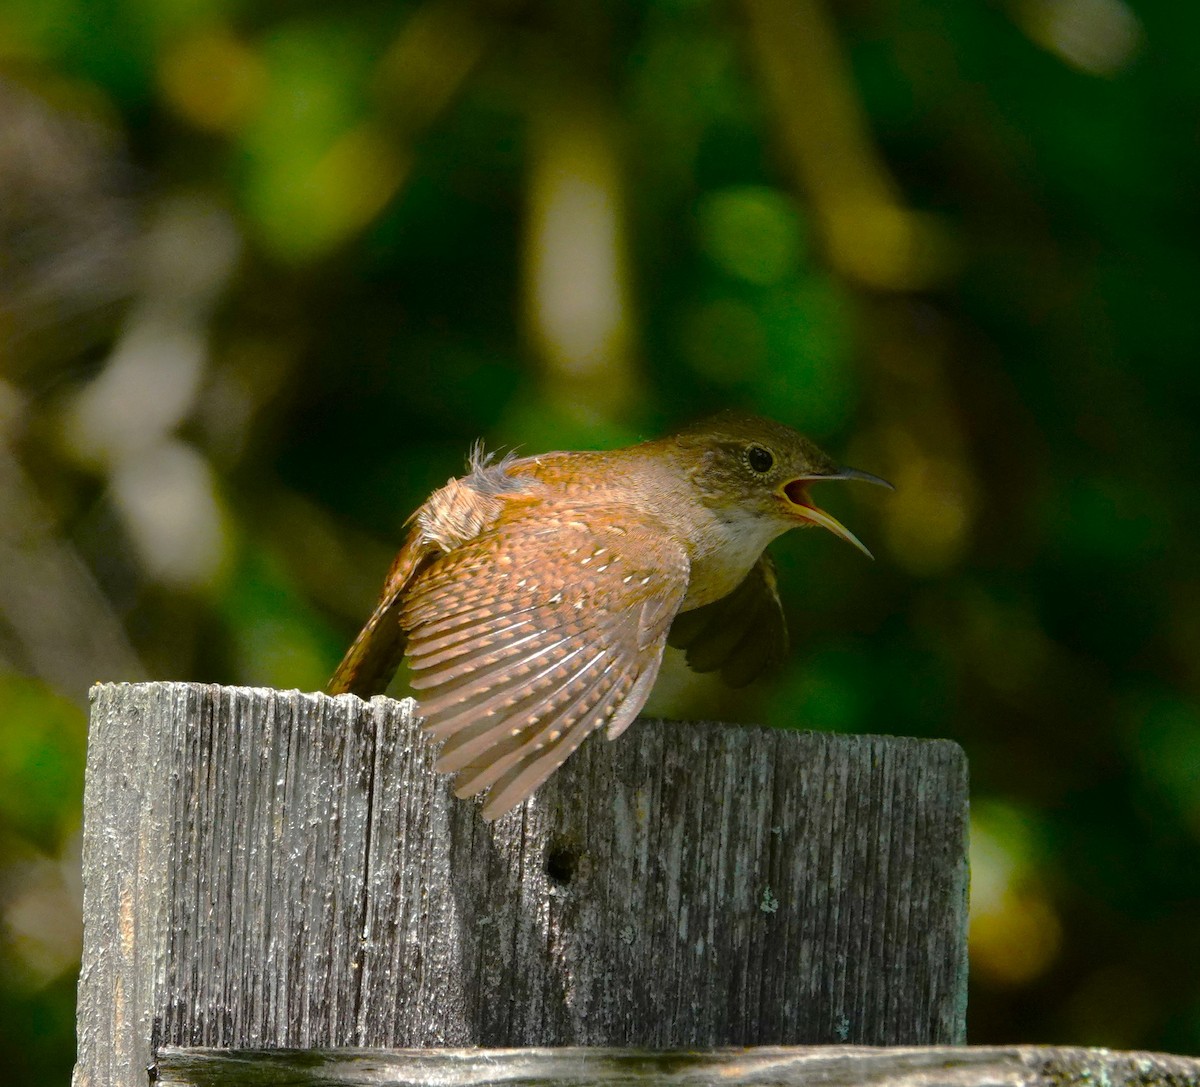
point(800, 503)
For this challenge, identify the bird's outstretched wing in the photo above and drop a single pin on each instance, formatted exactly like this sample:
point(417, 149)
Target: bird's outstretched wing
point(524, 640)
point(743, 634)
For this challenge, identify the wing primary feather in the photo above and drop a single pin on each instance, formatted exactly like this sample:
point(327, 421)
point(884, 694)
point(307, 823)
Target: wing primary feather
point(469, 741)
point(483, 752)
point(448, 701)
point(631, 705)
point(431, 651)
point(426, 676)
point(576, 719)
point(445, 622)
point(519, 781)
point(447, 598)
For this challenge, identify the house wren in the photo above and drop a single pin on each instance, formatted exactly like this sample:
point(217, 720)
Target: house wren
point(534, 595)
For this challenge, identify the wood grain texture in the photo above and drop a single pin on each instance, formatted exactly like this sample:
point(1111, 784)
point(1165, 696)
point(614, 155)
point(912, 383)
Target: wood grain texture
point(826, 1066)
point(269, 868)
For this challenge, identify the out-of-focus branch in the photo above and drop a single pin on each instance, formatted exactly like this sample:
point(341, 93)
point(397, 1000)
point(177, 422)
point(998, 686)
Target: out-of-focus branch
point(435, 53)
point(418, 78)
point(66, 232)
point(54, 620)
point(870, 236)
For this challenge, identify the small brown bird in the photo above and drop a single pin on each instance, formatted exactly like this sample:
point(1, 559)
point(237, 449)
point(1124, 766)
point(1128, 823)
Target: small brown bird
point(534, 595)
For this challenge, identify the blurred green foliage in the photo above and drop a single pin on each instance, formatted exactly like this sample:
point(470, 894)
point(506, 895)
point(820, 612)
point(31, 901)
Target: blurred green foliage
point(42, 739)
point(267, 271)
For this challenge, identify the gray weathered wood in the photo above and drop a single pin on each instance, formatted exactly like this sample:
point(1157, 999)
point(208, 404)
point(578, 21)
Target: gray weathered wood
point(824, 1066)
point(270, 868)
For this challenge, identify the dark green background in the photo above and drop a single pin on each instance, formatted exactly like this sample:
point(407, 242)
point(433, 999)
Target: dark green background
point(319, 224)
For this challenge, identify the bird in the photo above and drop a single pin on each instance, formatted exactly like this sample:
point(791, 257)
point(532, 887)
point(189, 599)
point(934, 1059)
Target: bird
point(534, 596)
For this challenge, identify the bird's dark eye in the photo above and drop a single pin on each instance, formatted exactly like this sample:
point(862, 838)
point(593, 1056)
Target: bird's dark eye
point(759, 459)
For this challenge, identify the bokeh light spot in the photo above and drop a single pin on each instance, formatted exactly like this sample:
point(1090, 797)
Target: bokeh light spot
point(1100, 37)
point(213, 79)
point(1015, 932)
point(753, 233)
point(929, 529)
point(168, 500)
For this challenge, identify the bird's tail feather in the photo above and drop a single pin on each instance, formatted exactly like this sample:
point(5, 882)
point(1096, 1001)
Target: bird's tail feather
point(369, 664)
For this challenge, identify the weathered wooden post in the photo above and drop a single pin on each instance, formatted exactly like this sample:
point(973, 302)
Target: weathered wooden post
point(278, 871)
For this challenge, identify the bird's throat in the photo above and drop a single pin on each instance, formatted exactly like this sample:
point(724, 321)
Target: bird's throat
point(723, 553)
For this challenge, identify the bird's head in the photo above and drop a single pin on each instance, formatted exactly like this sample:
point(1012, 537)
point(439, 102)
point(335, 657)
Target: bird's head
point(748, 467)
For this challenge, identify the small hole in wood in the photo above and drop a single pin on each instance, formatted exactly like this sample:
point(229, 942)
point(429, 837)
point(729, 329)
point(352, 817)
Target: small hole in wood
point(561, 862)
